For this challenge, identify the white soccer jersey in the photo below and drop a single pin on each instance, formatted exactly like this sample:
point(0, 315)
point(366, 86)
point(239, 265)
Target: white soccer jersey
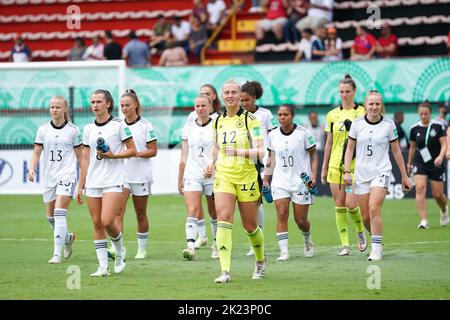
point(200, 140)
point(291, 157)
point(106, 172)
point(265, 117)
point(372, 147)
point(139, 170)
point(60, 161)
point(193, 116)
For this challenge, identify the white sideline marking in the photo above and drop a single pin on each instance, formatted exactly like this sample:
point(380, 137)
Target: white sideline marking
point(322, 247)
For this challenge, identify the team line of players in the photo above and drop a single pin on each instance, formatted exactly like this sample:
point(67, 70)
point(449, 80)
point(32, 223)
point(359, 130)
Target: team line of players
point(223, 157)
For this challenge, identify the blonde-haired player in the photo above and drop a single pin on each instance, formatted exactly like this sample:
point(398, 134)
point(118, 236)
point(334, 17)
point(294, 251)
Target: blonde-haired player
point(60, 140)
point(372, 135)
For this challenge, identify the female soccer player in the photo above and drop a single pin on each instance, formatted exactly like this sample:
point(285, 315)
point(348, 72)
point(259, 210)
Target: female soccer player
point(338, 125)
point(426, 160)
point(250, 92)
point(292, 151)
point(237, 146)
point(192, 178)
point(138, 170)
point(102, 177)
point(372, 135)
point(61, 141)
point(214, 111)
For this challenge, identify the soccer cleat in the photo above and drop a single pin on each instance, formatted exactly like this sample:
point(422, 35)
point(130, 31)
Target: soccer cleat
point(259, 272)
point(119, 261)
point(188, 254)
point(362, 241)
point(284, 256)
point(250, 253)
point(308, 249)
point(344, 251)
point(68, 246)
point(112, 253)
point(375, 255)
point(444, 217)
point(214, 253)
point(201, 242)
point(55, 260)
point(100, 272)
point(141, 255)
point(423, 224)
point(223, 278)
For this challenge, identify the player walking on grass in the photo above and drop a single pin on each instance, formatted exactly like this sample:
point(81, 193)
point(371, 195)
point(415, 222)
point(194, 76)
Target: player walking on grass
point(193, 181)
point(426, 161)
point(371, 136)
point(102, 177)
point(237, 146)
point(292, 150)
point(250, 92)
point(60, 140)
point(214, 111)
point(338, 125)
point(138, 170)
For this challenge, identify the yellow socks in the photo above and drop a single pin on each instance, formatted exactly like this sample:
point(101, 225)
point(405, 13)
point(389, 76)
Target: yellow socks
point(342, 225)
point(224, 244)
point(355, 214)
point(256, 239)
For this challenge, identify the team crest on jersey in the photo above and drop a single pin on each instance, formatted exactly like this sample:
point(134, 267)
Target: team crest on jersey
point(432, 133)
point(239, 124)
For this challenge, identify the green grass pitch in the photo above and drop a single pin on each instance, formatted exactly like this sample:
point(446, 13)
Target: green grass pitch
point(415, 263)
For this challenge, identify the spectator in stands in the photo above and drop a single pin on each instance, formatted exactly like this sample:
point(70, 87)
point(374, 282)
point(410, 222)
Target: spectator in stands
point(387, 44)
point(364, 45)
point(256, 6)
point(235, 6)
point(275, 20)
point(320, 12)
point(333, 46)
point(199, 11)
point(399, 117)
point(305, 46)
point(296, 10)
point(136, 52)
point(112, 50)
point(197, 37)
point(317, 129)
point(181, 30)
point(20, 52)
point(95, 50)
point(173, 55)
point(161, 34)
point(77, 51)
point(216, 11)
point(318, 45)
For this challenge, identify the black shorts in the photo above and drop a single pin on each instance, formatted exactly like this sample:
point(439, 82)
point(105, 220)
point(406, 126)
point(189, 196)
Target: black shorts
point(435, 174)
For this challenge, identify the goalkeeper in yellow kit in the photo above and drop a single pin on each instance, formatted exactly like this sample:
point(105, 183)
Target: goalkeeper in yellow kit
point(338, 125)
point(237, 145)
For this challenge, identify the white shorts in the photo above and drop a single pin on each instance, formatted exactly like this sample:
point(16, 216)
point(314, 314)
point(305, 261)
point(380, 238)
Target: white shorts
point(299, 197)
point(139, 189)
point(364, 187)
point(203, 185)
point(98, 192)
point(61, 189)
point(267, 24)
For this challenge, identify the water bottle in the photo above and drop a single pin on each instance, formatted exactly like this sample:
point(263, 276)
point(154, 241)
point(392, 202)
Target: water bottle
point(308, 183)
point(267, 194)
point(348, 188)
point(102, 146)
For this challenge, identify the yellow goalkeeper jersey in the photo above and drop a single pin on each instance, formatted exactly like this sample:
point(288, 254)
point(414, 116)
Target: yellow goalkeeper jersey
point(241, 131)
point(335, 125)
